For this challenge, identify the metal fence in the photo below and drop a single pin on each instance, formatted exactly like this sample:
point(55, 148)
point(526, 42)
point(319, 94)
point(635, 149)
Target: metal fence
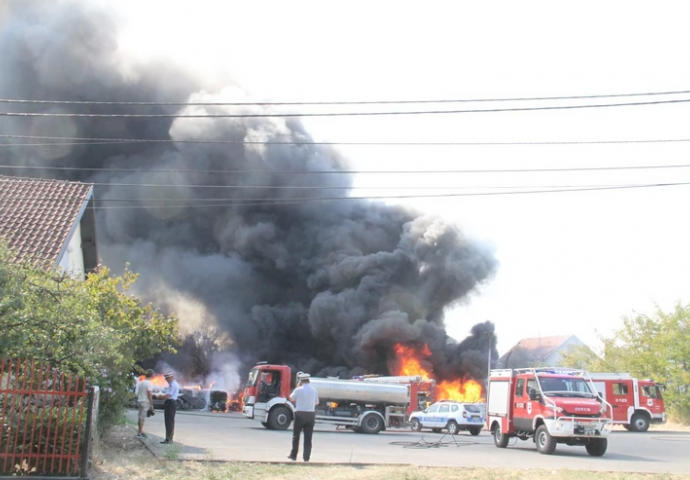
point(46, 419)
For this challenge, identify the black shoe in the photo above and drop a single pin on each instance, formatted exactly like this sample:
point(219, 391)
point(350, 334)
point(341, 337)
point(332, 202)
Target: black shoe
point(166, 442)
point(306, 460)
point(292, 458)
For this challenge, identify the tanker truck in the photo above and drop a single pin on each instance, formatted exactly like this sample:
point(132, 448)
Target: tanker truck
point(363, 407)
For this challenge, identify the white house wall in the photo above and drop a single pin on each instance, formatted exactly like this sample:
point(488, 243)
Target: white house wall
point(554, 359)
point(72, 261)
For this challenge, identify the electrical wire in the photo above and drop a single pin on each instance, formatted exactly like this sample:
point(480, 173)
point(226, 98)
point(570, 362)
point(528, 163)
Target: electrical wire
point(366, 102)
point(331, 114)
point(308, 200)
point(440, 443)
point(110, 141)
point(348, 172)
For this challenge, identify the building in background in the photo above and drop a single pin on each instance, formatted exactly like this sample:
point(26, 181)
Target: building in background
point(539, 351)
point(50, 222)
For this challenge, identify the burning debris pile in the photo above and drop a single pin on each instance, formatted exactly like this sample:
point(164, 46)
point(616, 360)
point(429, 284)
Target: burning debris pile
point(240, 235)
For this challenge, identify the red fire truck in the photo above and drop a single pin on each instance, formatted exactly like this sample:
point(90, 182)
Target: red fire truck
point(636, 403)
point(550, 406)
point(364, 407)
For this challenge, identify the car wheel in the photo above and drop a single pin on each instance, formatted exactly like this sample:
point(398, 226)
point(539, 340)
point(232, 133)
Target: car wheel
point(372, 424)
point(416, 425)
point(474, 431)
point(279, 418)
point(640, 422)
point(546, 444)
point(500, 439)
point(452, 427)
point(597, 446)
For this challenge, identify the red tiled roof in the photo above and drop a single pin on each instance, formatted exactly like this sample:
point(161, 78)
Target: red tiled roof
point(37, 216)
point(542, 347)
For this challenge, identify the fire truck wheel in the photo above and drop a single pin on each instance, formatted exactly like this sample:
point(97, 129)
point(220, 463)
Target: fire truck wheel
point(279, 418)
point(546, 444)
point(640, 422)
point(500, 440)
point(266, 425)
point(475, 431)
point(452, 427)
point(416, 425)
point(372, 424)
point(597, 446)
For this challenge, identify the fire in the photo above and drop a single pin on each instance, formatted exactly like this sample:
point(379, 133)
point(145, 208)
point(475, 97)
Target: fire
point(156, 380)
point(409, 362)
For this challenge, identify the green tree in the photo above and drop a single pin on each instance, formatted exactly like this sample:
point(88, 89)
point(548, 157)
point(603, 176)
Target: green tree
point(94, 328)
point(656, 346)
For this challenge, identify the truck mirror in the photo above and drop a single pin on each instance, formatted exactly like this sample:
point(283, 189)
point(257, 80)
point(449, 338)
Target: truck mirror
point(533, 394)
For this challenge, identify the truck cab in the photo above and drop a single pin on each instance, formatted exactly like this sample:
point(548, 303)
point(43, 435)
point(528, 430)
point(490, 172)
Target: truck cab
point(268, 385)
point(550, 406)
point(636, 403)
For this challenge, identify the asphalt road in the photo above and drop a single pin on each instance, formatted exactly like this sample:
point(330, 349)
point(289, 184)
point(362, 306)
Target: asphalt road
point(232, 437)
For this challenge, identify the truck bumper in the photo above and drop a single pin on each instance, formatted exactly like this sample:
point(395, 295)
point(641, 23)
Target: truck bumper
point(579, 427)
point(657, 419)
point(248, 411)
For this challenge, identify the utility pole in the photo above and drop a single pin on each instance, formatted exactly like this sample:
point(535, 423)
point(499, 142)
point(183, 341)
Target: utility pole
point(488, 369)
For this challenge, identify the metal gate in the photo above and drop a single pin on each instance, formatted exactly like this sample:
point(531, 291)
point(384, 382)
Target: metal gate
point(45, 416)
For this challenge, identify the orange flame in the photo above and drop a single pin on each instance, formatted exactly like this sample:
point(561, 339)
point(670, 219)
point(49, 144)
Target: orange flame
point(409, 362)
point(156, 380)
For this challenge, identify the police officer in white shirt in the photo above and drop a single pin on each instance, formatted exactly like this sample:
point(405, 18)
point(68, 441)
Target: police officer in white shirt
point(170, 406)
point(306, 398)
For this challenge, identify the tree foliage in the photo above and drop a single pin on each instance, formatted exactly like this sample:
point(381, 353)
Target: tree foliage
point(94, 328)
point(656, 346)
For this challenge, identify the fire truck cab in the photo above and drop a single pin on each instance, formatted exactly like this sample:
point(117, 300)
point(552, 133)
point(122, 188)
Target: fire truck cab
point(550, 406)
point(636, 403)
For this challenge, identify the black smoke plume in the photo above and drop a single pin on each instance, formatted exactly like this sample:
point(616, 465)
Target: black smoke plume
point(325, 286)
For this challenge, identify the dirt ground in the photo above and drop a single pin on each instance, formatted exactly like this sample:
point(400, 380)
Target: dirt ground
point(120, 455)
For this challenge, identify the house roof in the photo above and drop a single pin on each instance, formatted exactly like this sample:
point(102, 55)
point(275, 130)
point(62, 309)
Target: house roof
point(38, 217)
point(541, 347)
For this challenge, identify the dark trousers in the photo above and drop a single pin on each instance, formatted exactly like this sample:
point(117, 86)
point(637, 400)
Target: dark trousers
point(169, 411)
point(303, 421)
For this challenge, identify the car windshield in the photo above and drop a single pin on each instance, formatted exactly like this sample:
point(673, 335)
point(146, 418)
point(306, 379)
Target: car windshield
point(565, 387)
point(253, 375)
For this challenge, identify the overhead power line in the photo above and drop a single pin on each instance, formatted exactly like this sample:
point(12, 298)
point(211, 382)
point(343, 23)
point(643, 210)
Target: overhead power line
point(109, 141)
point(308, 200)
point(331, 114)
point(356, 102)
point(341, 172)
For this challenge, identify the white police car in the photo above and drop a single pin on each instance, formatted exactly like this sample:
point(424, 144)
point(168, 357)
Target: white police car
point(453, 416)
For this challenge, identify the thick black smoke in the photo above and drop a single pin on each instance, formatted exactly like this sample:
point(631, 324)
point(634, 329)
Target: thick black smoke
point(324, 286)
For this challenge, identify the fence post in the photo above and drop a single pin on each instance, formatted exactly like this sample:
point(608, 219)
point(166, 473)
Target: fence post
point(90, 433)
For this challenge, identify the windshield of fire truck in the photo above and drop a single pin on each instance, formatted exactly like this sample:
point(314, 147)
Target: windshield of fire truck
point(651, 391)
point(565, 387)
point(253, 375)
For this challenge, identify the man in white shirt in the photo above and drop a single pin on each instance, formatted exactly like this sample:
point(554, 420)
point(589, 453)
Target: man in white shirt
point(170, 406)
point(144, 400)
point(306, 398)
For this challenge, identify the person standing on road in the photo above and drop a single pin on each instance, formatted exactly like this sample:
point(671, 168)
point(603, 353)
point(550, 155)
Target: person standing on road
point(306, 398)
point(144, 401)
point(170, 407)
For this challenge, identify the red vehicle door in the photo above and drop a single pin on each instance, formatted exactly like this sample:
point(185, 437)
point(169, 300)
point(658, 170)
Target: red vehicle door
point(522, 415)
point(619, 394)
point(650, 397)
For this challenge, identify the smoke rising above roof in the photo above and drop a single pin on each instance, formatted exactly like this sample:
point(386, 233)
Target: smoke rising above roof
point(323, 286)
